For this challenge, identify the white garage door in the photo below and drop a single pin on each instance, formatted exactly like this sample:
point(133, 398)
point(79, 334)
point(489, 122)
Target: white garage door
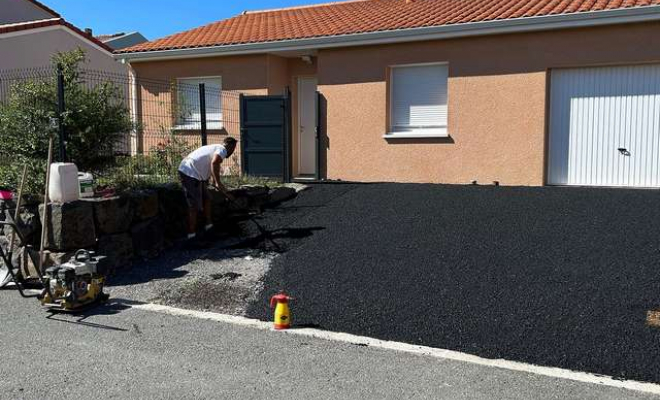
point(605, 126)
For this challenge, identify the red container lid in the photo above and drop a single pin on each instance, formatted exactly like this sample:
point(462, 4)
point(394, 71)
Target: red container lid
point(6, 195)
point(279, 298)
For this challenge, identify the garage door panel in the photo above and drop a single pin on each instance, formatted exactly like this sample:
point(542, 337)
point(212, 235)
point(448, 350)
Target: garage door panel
point(605, 126)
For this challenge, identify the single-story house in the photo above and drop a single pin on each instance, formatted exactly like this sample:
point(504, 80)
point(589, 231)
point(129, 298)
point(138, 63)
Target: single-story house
point(523, 92)
point(31, 33)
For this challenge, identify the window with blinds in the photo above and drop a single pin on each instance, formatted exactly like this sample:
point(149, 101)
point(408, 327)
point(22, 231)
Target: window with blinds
point(419, 100)
point(188, 105)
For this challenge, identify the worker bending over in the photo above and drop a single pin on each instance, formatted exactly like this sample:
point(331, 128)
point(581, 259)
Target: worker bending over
point(195, 171)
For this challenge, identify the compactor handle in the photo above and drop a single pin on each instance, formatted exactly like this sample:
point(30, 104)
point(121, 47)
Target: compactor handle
point(82, 256)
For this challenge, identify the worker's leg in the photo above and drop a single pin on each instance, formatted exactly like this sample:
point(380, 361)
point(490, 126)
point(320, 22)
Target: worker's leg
point(208, 219)
point(193, 192)
point(192, 222)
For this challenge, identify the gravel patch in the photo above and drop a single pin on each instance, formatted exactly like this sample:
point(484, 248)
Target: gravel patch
point(224, 278)
point(218, 279)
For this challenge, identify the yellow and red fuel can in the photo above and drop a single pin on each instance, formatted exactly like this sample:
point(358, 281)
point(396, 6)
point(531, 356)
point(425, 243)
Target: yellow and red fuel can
point(282, 312)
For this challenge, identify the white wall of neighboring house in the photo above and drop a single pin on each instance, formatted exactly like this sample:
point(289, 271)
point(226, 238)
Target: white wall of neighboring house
point(14, 11)
point(34, 48)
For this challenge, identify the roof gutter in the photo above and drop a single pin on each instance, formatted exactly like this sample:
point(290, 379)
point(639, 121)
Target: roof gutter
point(517, 25)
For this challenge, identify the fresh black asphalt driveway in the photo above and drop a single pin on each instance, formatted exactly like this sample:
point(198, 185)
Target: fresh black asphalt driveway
point(559, 277)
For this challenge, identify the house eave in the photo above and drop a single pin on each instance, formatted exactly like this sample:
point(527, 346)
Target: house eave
point(518, 25)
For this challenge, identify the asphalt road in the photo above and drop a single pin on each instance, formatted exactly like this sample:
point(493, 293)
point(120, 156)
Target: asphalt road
point(549, 276)
point(126, 353)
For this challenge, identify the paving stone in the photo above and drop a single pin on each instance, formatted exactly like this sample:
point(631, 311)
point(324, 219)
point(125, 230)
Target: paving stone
point(148, 238)
point(145, 204)
point(250, 197)
point(4, 243)
point(118, 251)
point(299, 187)
point(28, 259)
point(221, 208)
point(173, 210)
point(70, 226)
point(280, 194)
point(112, 215)
point(28, 223)
point(240, 202)
point(253, 190)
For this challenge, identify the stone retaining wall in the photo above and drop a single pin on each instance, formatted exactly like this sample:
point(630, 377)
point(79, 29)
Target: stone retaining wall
point(137, 225)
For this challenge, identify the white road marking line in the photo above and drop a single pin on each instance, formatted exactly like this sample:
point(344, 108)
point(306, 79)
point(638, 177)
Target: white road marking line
point(552, 372)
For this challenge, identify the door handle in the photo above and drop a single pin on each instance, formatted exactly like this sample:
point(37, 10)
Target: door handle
point(624, 151)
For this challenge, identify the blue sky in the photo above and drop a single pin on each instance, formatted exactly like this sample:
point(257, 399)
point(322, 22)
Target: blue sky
point(156, 18)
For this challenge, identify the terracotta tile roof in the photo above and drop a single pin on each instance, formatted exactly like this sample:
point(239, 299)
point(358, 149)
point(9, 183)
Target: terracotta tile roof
point(24, 26)
point(361, 16)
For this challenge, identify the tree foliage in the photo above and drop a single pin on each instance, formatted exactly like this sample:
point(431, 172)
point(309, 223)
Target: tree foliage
point(95, 120)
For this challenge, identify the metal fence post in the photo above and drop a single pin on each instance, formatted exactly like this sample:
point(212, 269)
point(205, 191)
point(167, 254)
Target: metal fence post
point(319, 137)
point(286, 141)
point(61, 108)
point(243, 131)
point(202, 112)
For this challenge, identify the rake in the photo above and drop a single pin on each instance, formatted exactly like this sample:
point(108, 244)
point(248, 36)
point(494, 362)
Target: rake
point(264, 232)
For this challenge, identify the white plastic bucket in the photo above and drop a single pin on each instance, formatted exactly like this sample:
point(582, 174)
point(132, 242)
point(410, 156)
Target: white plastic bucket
point(63, 187)
point(86, 184)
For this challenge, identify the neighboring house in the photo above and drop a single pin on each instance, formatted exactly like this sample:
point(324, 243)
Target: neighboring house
point(30, 33)
point(121, 40)
point(524, 92)
point(15, 11)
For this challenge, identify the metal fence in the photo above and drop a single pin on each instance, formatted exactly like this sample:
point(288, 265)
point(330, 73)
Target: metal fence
point(138, 129)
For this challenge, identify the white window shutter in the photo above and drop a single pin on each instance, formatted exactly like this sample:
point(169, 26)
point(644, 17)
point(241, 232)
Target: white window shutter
point(190, 113)
point(213, 88)
point(419, 97)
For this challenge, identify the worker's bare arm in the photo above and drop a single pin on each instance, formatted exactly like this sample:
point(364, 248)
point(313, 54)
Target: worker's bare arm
point(215, 174)
point(215, 169)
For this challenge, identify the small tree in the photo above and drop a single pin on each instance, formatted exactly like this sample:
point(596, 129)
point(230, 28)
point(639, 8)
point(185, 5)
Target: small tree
point(96, 117)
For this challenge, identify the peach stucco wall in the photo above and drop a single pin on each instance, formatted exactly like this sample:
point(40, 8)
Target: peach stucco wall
point(278, 75)
point(246, 74)
point(240, 73)
point(497, 103)
point(359, 152)
point(251, 75)
point(498, 88)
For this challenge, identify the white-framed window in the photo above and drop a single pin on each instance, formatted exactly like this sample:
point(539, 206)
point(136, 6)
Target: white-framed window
point(418, 102)
point(188, 103)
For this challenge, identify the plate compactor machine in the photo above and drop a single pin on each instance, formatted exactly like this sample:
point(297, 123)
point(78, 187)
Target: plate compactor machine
point(70, 287)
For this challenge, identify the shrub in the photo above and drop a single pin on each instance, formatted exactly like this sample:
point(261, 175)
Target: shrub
point(96, 117)
point(168, 155)
point(10, 174)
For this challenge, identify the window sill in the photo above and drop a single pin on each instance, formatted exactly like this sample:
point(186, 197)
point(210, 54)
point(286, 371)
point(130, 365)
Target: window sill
point(198, 127)
point(416, 135)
